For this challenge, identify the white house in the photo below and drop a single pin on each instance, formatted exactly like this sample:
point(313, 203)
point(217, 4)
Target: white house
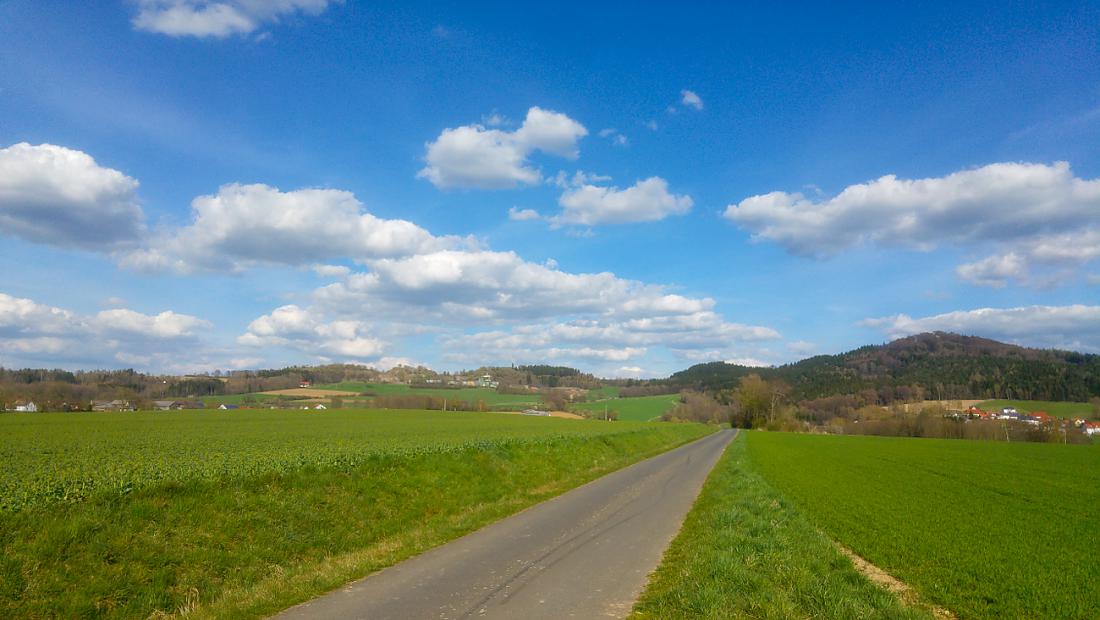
point(26, 407)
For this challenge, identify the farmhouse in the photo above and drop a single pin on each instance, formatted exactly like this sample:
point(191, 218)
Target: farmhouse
point(25, 406)
point(486, 381)
point(112, 405)
point(305, 383)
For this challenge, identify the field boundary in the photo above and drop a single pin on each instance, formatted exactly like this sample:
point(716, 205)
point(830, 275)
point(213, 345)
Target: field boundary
point(906, 594)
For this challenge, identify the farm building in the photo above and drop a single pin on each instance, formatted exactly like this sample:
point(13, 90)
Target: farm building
point(228, 407)
point(112, 405)
point(305, 383)
point(25, 406)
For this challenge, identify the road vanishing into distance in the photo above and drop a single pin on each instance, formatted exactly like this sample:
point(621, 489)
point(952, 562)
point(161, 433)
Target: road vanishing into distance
point(584, 554)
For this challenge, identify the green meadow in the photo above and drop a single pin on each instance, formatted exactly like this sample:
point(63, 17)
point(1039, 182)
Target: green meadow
point(1056, 409)
point(638, 408)
point(239, 514)
point(984, 529)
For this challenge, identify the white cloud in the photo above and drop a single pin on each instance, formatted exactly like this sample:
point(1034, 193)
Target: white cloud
point(691, 100)
point(331, 271)
point(618, 139)
point(998, 202)
point(523, 215)
point(59, 196)
point(652, 125)
point(1058, 253)
point(214, 18)
point(302, 329)
point(167, 324)
point(801, 347)
point(246, 225)
point(645, 201)
point(1074, 327)
point(33, 331)
point(994, 271)
point(529, 311)
point(475, 156)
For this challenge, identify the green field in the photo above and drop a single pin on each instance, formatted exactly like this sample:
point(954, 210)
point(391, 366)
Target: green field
point(745, 552)
point(237, 515)
point(1059, 410)
point(639, 408)
point(606, 391)
point(490, 397)
point(984, 529)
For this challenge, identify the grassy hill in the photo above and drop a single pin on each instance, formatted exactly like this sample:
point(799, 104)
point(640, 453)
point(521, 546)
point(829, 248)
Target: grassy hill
point(935, 366)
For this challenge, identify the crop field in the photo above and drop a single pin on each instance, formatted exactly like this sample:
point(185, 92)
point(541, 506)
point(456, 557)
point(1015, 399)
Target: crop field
point(66, 457)
point(1056, 409)
point(984, 529)
point(239, 514)
point(638, 408)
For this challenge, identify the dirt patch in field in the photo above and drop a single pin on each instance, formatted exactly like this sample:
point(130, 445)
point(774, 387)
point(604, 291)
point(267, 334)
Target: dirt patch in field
point(553, 414)
point(566, 414)
point(960, 405)
point(893, 584)
point(311, 393)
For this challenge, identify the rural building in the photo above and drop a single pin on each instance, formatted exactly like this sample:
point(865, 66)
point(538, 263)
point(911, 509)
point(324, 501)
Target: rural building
point(305, 383)
point(25, 406)
point(228, 407)
point(167, 405)
point(112, 405)
point(320, 406)
point(537, 412)
point(486, 381)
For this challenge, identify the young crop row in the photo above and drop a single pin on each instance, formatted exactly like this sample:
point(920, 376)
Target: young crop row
point(988, 530)
point(68, 457)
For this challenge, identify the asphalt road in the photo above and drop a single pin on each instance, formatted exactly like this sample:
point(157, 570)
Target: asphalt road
point(584, 554)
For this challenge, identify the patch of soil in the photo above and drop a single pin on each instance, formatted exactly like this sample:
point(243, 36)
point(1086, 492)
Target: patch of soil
point(893, 584)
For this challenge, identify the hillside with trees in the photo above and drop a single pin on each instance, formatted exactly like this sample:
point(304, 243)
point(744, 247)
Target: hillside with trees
point(933, 366)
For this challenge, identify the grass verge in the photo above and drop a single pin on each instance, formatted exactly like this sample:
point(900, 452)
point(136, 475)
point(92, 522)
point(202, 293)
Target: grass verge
point(247, 548)
point(745, 552)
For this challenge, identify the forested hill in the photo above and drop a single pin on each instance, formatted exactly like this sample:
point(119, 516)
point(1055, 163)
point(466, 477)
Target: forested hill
point(934, 366)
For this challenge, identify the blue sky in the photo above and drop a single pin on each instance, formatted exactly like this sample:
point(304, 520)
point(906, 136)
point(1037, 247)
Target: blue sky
point(191, 185)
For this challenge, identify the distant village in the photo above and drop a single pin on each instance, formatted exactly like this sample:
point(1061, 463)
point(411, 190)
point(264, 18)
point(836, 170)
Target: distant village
point(1035, 418)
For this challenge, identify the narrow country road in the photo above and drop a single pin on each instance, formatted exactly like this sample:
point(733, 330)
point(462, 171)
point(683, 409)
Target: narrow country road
point(584, 554)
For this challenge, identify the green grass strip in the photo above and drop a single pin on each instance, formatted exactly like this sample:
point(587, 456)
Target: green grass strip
point(246, 548)
point(745, 552)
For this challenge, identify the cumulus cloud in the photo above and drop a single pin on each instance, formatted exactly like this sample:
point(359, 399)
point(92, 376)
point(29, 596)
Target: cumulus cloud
point(480, 157)
point(33, 331)
point(218, 18)
point(994, 271)
point(486, 306)
point(1004, 201)
point(1058, 253)
point(691, 100)
point(59, 196)
point(645, 201)
point(1037, 212)
point(246, 225)
point(482, 286)
point(523, 215)
point(1075, 327)
point(302, 329)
